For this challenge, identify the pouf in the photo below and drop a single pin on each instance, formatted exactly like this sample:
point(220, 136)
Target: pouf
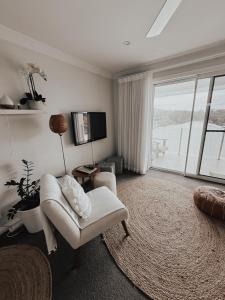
point(106, 179)
point(211, 200)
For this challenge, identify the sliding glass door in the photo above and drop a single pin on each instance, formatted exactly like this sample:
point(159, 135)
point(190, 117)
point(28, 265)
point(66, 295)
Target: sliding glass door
point(212, 158)
point(194, 150)
point(173, 105)
point(189, 127)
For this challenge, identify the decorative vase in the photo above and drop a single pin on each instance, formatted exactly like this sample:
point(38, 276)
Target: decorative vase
point(31, 219)
point(36, 105)
point(6, 102)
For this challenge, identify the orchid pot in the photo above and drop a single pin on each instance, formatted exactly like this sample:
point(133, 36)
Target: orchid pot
point(32, 98)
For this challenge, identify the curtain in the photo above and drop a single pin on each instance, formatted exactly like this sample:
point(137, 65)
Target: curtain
point(134, 114)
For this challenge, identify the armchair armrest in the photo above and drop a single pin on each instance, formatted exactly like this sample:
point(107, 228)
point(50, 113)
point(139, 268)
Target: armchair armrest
point(62, 221)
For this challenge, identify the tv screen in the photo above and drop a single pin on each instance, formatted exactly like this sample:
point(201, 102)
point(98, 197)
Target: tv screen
point(88, 126)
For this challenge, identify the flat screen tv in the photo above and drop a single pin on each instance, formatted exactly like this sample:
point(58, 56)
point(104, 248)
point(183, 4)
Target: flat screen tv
point(88, 126)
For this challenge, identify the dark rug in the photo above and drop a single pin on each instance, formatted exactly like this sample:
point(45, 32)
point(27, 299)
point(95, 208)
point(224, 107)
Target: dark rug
point(25, 274)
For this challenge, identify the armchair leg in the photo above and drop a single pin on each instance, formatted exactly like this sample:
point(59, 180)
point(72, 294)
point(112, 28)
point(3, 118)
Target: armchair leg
point(76, 258)
point(125, 228)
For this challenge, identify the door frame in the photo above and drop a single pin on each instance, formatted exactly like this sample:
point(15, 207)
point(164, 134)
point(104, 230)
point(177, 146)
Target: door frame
point(205, 130)
point(205, 123)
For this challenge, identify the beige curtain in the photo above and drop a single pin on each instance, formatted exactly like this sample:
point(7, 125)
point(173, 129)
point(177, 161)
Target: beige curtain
point(134, 113)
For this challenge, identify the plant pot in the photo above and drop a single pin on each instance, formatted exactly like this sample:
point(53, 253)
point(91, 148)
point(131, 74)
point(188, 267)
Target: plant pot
point(31, 219)
point(36, 105)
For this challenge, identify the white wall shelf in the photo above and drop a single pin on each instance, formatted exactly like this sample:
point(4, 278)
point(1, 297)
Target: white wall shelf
point(20, 112)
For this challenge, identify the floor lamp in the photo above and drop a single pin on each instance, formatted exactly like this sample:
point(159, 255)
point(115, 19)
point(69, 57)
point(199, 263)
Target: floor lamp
point(59, 125)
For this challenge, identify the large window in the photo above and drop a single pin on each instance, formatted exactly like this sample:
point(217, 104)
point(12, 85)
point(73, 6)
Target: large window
point(189, 127)
point(171, 124)
point(213, 156)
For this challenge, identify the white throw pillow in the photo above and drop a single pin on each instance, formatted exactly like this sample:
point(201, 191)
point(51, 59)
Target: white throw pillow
point(76, 196)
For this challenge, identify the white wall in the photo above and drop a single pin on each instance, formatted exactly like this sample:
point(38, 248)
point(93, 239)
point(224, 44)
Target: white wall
point(67, 89)
point(214, 66)
point(207, 59)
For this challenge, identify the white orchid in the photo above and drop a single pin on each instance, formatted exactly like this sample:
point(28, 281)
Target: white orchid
point(28, 71)
point(31, 68)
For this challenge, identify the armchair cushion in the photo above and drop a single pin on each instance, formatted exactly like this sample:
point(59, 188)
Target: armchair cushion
point(103, 203)
point(76, 196)
point(107, 210)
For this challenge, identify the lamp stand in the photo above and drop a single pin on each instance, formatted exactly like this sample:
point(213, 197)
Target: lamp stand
point(64, 161)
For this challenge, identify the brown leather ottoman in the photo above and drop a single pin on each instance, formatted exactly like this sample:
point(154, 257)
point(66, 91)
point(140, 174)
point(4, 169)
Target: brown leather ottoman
point(210, 200)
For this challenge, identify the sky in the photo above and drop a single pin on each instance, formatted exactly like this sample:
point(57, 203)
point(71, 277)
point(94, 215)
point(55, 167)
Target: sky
point(180, 96)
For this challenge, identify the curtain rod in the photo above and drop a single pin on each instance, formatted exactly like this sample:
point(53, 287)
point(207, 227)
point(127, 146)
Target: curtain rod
point(151, 68)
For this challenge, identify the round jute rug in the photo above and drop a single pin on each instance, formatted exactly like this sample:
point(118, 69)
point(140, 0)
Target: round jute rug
point(174, 251)
point(25, 274)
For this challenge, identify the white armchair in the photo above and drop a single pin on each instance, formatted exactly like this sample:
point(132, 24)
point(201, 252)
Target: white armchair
point(107, 210)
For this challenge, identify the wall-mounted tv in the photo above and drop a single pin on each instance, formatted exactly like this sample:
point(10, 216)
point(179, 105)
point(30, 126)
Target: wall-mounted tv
point(88, 126)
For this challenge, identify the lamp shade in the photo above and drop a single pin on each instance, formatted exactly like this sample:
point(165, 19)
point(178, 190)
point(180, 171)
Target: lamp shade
point(58, 124)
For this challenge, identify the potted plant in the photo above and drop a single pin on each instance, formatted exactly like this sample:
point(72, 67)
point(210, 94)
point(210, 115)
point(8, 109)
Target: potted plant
point(33, 99)
point(29, 192)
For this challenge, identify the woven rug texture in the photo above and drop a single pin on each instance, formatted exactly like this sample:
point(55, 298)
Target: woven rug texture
point(25, 274)
point(174, 251)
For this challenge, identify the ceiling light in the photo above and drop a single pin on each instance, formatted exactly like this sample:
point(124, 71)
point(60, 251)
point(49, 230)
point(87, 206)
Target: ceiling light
point(126, 43)
point(163, 17)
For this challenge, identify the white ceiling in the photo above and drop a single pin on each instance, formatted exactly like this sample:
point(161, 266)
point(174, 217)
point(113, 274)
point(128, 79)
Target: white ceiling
point(94, 30)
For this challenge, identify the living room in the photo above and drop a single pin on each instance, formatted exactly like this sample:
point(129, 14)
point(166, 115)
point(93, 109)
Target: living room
point(112, 149)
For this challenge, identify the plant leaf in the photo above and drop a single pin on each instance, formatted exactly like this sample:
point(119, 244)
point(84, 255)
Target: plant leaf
point(25, 162)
